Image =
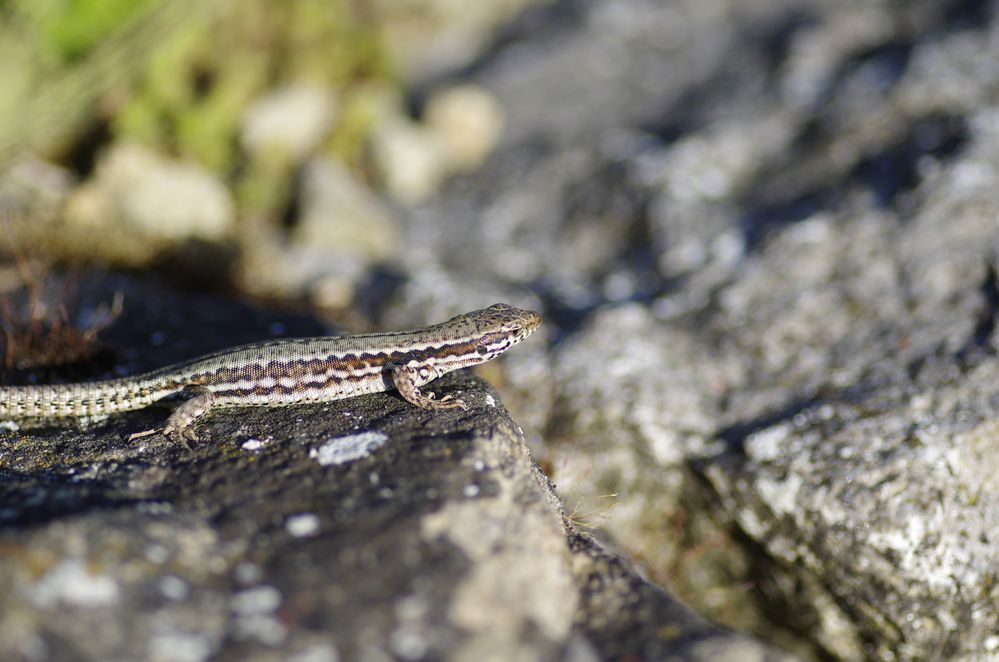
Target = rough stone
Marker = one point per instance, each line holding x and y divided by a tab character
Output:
163	199
341	216
411	160
431	37
468	123
796	198
293	121
358	528
795	201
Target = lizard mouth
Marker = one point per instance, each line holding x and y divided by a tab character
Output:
532	321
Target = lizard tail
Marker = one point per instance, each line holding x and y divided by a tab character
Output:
75	400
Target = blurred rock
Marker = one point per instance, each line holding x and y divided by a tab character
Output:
271	268
291	121
798	198
626	425
159	198
342	230
411	160
468	122
33	187
430	37
668	413
339	214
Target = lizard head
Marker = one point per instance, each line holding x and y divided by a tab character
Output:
482	335
504	319
499	327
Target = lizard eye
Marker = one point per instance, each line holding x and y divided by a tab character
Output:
482	350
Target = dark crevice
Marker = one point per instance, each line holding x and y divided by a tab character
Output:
80	156
767	45
968	14
784	196
880	67
292	210
979	346
562	318
608	194
777	38
761	219
780	602
894	171
736	434
682	118
789	619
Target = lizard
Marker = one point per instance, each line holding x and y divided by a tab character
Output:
289	371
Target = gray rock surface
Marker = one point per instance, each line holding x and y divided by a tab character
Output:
796	201
763	236
363	529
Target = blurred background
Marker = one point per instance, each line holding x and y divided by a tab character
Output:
762	234
261	144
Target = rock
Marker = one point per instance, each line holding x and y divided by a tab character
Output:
34	188
274	269
360	527
411	160
431	37
462	126
341	232
626	617
625	428
670	410
340	215
292	121
163	199
468	122
834	498
803	222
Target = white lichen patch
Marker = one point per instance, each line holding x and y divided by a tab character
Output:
974	456
303	525
256	600
782	496
341	450
72	583
768	444
253	444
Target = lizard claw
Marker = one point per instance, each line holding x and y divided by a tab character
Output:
453	403
145	433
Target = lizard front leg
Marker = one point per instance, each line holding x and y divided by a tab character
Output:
405	380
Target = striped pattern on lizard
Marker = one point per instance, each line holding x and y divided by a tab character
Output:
292	371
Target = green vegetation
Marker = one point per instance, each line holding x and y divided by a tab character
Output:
176	75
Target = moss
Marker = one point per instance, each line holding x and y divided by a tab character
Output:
359	111
264	186
206	130
69	29
196	84
176	76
